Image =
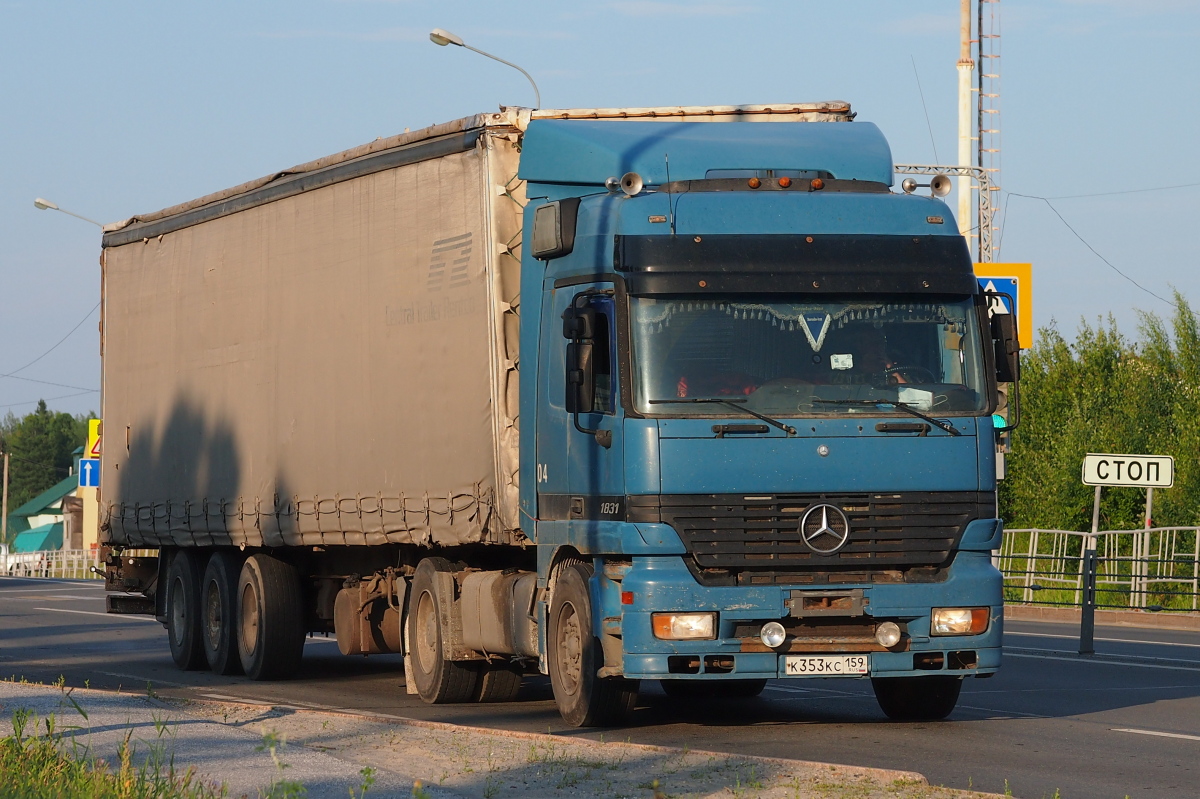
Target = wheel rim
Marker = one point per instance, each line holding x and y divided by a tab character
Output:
249	619
213	617
570	648
178	611
427	642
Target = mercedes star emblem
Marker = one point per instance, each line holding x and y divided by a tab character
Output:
825	528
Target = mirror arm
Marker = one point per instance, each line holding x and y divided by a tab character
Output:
603	437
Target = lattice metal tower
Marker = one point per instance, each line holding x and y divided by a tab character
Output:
988	96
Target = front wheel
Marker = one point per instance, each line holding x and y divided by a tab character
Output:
917	698
584	699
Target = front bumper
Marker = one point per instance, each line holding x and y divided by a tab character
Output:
663	583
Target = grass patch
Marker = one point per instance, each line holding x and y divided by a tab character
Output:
48	766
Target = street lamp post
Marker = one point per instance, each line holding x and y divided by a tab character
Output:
443	37
46	205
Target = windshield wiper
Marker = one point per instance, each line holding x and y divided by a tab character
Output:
732	403
902	406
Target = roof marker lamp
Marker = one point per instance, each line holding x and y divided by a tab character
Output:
684	626
43	204
959	621
442	38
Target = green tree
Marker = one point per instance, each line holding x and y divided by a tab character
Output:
1105	393
40	445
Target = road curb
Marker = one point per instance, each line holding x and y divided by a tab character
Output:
1189	622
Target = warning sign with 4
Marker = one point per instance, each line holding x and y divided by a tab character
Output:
1015	280
93	442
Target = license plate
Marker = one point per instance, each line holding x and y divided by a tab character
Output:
817	666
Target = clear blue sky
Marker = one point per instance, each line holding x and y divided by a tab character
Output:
126	106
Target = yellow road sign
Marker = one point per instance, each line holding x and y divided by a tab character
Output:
93	442
1015	280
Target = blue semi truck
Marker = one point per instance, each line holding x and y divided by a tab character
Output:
611	395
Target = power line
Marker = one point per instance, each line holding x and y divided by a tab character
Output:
60	341
49	383
1125	191
1089	246
928	124
48	399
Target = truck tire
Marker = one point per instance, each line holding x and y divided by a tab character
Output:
183	611
712	689
574	656
439	681
917	698
270	632
219	612
498	684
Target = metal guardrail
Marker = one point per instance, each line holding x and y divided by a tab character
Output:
1156	569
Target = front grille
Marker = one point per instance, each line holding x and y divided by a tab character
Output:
754	539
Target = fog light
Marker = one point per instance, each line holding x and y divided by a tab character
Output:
959	621
772	634
684	626
887	634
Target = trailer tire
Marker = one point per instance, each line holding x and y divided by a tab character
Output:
438	680
183	611
498	684
917	698
270	629
713	689
575	658
219	612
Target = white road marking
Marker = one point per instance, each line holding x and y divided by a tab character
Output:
33	589
1105	662
1111	640
123	616
1159	734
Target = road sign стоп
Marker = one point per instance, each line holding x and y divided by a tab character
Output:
1136	471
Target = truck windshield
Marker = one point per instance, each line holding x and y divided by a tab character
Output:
807	356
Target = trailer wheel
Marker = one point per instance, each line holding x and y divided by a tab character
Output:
183	611
713	689
498	684
574	656
439	681
270	616
917	698
219	616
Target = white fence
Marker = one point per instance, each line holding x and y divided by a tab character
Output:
69	564
1155	569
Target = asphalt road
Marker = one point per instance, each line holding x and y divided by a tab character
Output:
1126	723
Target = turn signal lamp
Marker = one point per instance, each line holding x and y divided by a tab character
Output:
684	626
959	621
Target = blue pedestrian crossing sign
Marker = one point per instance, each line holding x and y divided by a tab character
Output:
1015	281
89	472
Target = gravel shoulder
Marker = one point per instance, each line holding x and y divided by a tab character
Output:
230	743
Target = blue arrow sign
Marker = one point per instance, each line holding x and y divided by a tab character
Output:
89	472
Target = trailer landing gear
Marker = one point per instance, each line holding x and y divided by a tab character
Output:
584	699
271	619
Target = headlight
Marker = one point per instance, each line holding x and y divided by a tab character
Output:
684	626
959	621
772	634
887	634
